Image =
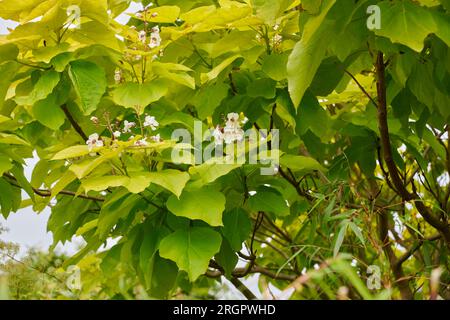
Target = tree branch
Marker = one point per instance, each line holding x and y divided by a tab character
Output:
362	88
48	193
243	289
73	122
389	160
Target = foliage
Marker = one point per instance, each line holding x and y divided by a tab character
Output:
363	124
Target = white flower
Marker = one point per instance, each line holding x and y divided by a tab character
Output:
138	57
141	143
94	120
231	135
228	135
149	5
117	134
154	14
118	76
218	136
127	126
94	141
151	122
232	131
155	38
276	27
142	36
233	120
139	15
277	39
156	138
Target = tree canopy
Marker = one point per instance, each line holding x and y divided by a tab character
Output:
351	103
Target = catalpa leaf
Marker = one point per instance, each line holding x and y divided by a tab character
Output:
191	249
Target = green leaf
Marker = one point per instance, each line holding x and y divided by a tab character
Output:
265	88
406	23
227	258
114	210
152	265
18	173
340	238
300	163
6	197
5	164
172	180
199	204
210	171
159	286
236	227
43	87
209	98
163	14
274	66
85	167
7	138
270	10
214	73
138	96
89	81
8	51
104	182
357	231
269	199
308	53
49	113
312	6
8	71
72	152
191	249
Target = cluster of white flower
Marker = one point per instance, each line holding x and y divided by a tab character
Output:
127	126
151	122
231	132
94	141
142	36
155	38
141	143
277	40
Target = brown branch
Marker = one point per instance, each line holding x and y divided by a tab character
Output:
243	289
48	193
416	247
73	122
240	272
397	270
295	184
362	88
389	160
